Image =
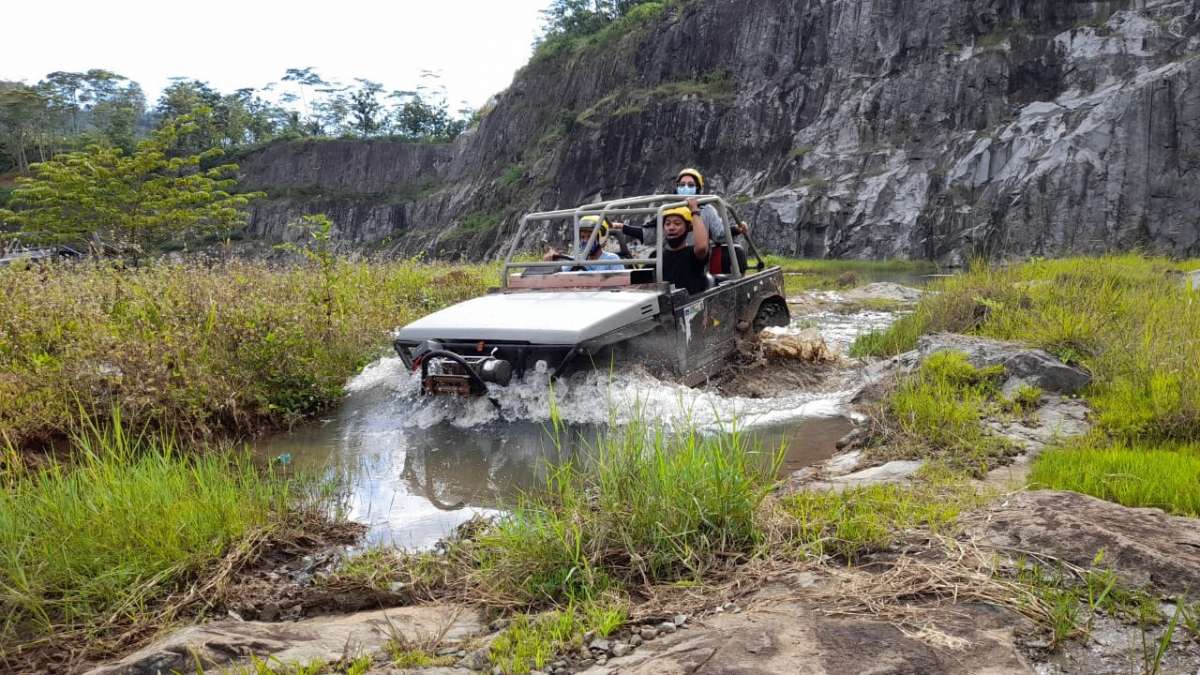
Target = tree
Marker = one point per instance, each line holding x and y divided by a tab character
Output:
365	107
130	203
23	113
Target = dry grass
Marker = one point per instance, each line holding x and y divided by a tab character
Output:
201	350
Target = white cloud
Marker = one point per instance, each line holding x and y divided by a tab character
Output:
476	45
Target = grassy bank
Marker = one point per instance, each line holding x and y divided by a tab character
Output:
810	274
1128	320
200	350
93	555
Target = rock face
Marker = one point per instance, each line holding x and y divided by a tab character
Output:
1145	547
936	129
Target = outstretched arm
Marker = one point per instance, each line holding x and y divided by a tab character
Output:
699	230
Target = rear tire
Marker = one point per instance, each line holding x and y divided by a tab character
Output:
772	312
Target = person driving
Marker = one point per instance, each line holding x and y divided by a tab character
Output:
684	263
587	225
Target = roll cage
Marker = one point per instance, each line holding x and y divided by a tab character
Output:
621	210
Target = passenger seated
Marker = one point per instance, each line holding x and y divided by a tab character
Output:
587	225
685	265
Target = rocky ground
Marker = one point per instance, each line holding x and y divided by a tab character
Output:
928	605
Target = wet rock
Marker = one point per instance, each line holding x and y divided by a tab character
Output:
222	644
620	649
1031	366
1145	547
475	660
666	628
635	640
680	620
895	471
648	633
600	645
884	290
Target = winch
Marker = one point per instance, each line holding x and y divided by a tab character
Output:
445	372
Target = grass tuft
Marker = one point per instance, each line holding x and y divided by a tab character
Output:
645	507
531	641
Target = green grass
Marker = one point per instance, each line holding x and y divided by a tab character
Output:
856	521
1163	476
1125	319
531	641
100	544
937	413
200	350
645	507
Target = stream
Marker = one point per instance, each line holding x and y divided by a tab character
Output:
413	468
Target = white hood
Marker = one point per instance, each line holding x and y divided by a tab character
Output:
559	317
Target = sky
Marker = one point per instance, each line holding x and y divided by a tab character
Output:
474	45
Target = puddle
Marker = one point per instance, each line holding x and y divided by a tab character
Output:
413	468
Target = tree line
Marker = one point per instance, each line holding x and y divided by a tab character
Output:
70	111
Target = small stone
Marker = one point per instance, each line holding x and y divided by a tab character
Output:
602	660
476	660
270	612
680	620
446	651
735	608
600	645
589	636
719	610
648	633
635	641
497	670
620	649
235	616
397	586
666	627
558	664
586	663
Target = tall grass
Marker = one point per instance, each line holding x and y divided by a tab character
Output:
1165	476
96	545
200	350
646	506
1126	319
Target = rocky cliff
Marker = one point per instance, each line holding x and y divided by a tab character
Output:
934	129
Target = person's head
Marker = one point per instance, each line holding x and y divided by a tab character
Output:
689	183
675	224
587	225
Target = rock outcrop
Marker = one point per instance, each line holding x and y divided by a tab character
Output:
933	129
1145	547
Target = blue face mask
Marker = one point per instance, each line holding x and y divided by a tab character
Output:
685	190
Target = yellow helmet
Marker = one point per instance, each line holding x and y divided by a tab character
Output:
694	174
681	211
590	223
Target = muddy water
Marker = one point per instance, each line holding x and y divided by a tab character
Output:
413	468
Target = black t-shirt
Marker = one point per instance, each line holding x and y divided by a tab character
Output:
683	269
